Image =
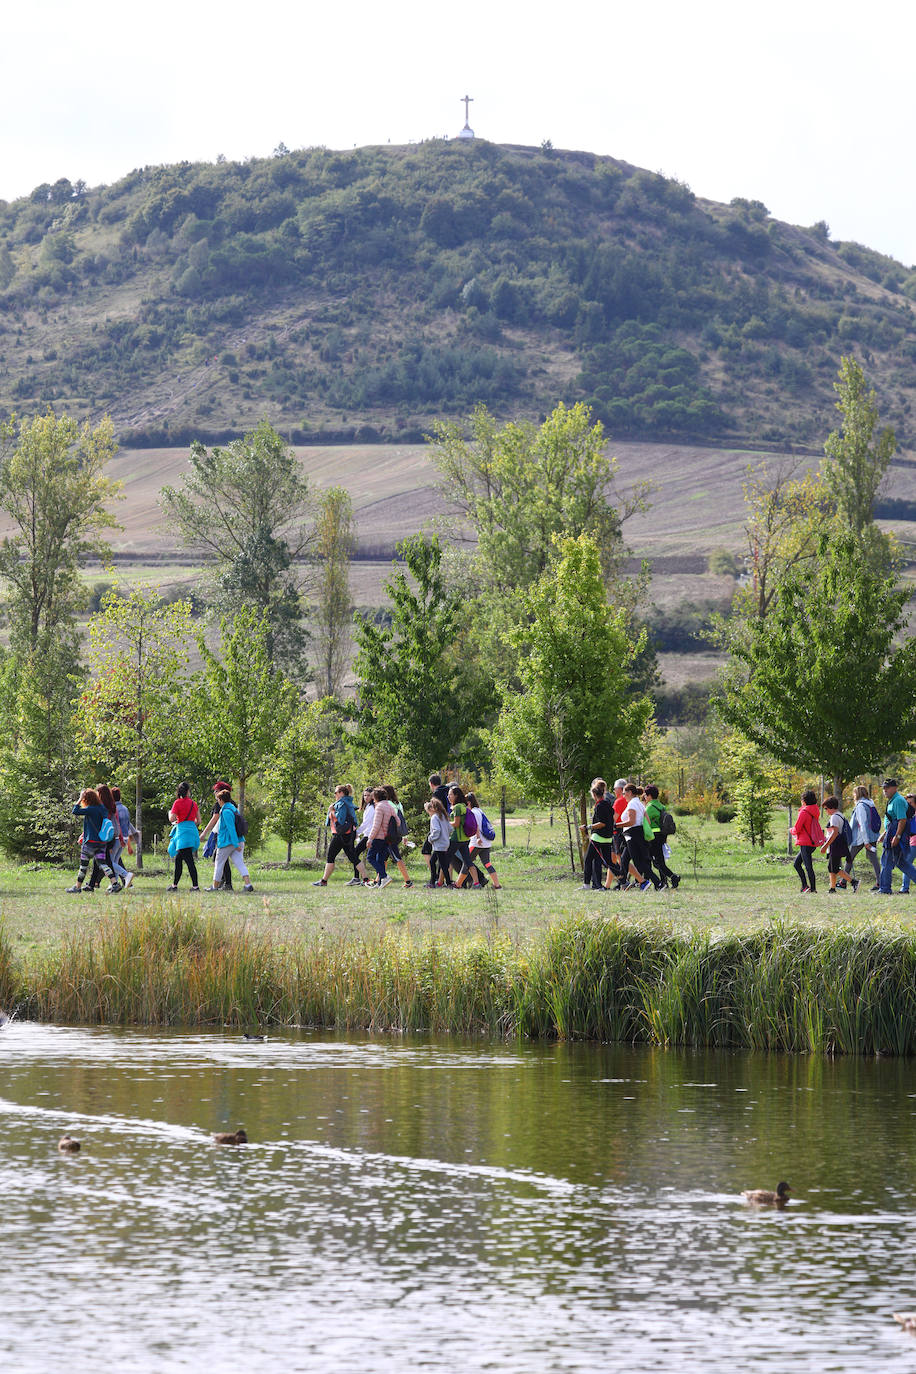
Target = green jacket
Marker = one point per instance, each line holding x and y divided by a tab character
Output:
654	815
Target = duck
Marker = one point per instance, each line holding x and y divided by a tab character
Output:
762	1197
231	1137
68	1145
907	1320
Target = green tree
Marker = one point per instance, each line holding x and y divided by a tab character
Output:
576	715
754	785
133	714
415	693
247	506
334	609
858	455
821	682
54	490
294	779
520	486
240	702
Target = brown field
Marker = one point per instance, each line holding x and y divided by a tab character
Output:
697	507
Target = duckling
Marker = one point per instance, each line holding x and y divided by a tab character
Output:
68	1145
762	1197
232	1137
907	1320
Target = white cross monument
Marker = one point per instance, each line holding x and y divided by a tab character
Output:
467	131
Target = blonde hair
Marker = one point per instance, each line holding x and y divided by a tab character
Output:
435	808
860	792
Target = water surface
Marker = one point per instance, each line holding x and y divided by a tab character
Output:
449	1206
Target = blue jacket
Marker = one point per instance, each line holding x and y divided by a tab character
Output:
227	835
186	836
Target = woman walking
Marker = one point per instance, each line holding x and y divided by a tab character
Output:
228	843
184	815
865	824
464	831
384	829
114	846
97	832
341	819
599	839
440	838
479	846
633	824
394	849
808	835
362	840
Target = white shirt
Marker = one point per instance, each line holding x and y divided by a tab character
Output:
635	808
365	824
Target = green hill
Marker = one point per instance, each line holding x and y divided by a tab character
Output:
358	295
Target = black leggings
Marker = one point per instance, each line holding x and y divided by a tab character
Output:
342	842
185	856
657	850
803	862
597	859
638	851
439	866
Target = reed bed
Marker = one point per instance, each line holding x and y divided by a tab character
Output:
786	988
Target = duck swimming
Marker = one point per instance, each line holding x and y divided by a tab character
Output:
231	1137
68	1145
907	1320
762	1197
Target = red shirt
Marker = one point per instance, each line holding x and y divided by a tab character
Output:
807	828
185	809
620	805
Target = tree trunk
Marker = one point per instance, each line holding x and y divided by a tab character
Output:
242	781
138	817
502	815
583	817
572	853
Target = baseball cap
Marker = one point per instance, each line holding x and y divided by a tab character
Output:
889	782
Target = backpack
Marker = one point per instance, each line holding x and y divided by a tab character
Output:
106	830
403	832
393	833
846	832
874	820
470	824
241	825
486	830
666	824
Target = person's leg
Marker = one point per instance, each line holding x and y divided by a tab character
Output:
219	864
483	856
179	864
799	869
116	851
334	849
887	868
192	867
658	858
237	856
464	863
905	864
378	857
807	860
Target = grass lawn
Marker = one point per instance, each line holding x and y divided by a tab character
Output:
725	886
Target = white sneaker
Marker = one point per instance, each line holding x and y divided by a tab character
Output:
355	882
385	881
128	880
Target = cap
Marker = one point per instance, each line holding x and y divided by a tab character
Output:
621	782
218	786
889	782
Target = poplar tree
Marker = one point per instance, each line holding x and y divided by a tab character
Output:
334	608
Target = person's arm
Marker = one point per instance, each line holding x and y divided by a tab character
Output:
832	832
209	826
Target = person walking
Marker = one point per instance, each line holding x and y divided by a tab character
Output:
896	844
911	832
341	819
865	824
113	847
361	844
632	822
619	847
439	790
655	813
439	840
808	835
836	843
479	846
384	831
229	844
464	830
210	850
598	837
184	814
97	833
394	849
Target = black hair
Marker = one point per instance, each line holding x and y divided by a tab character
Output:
809	797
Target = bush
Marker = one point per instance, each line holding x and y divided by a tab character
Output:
724	814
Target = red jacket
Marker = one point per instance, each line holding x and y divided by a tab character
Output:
807	827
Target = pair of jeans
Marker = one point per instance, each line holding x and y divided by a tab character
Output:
439	866
896	856
804	866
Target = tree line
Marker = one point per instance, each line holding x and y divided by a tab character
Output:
512	647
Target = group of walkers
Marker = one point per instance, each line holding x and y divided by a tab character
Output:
108	832
844	839
627	839
459	839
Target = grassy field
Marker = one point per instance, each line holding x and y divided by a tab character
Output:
725	888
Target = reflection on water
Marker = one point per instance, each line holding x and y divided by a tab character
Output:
449	1205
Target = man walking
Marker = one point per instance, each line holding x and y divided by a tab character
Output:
896	850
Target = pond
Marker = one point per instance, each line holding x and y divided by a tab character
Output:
449	1205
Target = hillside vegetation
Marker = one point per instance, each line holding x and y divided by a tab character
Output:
358	295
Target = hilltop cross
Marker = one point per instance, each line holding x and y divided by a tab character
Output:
467	99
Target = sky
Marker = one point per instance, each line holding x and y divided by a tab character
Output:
805	106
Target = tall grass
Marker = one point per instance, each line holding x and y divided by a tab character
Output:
788	988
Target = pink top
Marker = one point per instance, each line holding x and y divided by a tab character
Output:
384	810
807	827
